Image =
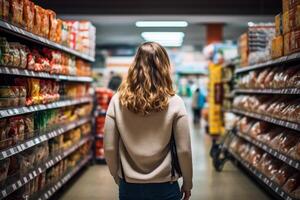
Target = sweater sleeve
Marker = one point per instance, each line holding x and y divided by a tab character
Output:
183	144
111	142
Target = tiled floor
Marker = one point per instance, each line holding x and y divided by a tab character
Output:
231	184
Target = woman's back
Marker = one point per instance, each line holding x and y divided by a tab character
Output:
144	144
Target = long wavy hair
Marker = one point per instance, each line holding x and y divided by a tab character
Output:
148	86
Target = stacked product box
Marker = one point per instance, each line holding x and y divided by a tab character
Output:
287	40
255	45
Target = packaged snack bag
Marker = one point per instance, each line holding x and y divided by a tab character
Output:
45	23
5	9
59	31
37	20
28	15
16	12
53	25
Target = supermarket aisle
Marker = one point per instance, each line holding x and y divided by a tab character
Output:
96	183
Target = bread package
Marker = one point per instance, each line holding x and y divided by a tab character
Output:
254	156
273	168
28	15
283	174
259	128
16	12
292	183
294	152
37	20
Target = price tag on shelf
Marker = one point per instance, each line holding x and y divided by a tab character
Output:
3	192
19	183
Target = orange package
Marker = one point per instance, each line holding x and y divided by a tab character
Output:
45	23
52	25
37	20
16	12
58	31
28	15
5	4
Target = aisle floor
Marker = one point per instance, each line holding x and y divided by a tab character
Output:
231	184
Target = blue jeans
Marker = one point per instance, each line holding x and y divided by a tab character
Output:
149	191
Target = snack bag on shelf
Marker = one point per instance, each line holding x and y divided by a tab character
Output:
28	15
53	25
65	34
58	35
16	12
45	23
5	8
23	54
37	20
33	96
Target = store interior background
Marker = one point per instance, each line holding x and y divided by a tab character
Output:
117	39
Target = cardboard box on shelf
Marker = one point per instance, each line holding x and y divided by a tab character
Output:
295	41
278	24
286	44
285	5
277	47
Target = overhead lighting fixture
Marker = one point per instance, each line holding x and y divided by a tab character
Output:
161	24
167	39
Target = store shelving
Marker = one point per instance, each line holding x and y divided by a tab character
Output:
27	73
23	34
29	109
41	138
279	122
277	62
262	178
10	188
268	91
54	188
292	162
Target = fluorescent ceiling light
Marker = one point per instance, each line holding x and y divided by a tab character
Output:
161	24
164	38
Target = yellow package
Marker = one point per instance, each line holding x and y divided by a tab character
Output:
278	24
286	22
277	47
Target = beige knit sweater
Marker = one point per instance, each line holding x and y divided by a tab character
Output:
141	143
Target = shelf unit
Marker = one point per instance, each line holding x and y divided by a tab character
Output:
295	91
29	109
41	138
286	159
10	188
11	185
47	194
27	73
23	34
261	178
277	62
279	122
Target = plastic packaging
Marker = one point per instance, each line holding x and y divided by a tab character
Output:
283	174
16	12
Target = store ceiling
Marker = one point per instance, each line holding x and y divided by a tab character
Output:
115	19
133	7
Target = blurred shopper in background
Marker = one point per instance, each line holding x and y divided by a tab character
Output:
198	102
145	124
115	81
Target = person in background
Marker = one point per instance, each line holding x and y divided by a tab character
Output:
144	121
115	81
198	102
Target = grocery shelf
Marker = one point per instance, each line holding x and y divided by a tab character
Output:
279	122
268	91
54	188
275	188
24	72
292	162
280	61
19	32
29	109
41	138
10	188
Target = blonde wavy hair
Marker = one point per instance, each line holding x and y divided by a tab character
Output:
148	86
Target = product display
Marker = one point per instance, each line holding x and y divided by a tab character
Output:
103	97
77	35
45	99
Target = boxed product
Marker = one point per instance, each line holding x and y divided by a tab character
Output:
278	24
295	41
277	47
287	44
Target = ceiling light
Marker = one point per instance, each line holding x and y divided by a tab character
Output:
161	24
164	38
